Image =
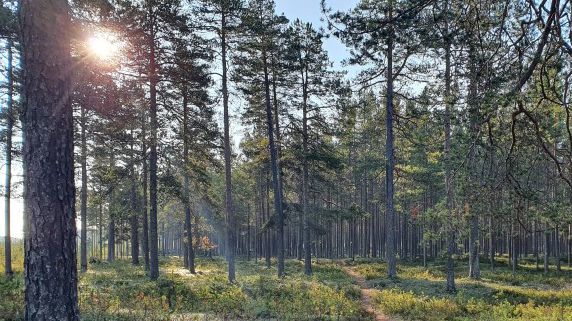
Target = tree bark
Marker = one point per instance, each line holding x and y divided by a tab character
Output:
111	227
101	231
190	262
153	237
83	196
390	160
230	220
449	185
134	219
546	248
8	182
144	210
50	269
275	171
305	175
472	101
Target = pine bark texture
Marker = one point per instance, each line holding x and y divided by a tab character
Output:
50	269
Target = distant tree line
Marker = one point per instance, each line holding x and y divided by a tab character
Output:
452	141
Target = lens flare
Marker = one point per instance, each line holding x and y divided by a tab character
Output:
104	46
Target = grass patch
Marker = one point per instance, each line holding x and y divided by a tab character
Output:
419	293
120	291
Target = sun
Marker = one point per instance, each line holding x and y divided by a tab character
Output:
104	46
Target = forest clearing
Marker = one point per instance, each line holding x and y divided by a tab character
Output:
120	291
381	160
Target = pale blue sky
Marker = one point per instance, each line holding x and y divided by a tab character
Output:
310	11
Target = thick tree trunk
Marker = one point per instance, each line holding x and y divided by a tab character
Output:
230	220
275	172
390	160
50	269
8	182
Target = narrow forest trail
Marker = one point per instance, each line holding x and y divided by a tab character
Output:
367	296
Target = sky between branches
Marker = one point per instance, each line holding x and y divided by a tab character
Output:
305	10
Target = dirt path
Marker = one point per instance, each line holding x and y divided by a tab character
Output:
367	296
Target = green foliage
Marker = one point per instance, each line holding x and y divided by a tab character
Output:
12	294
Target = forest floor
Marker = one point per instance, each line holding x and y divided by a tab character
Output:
419	293
367	296
338	290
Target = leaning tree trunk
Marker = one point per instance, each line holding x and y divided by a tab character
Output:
50	269
8	183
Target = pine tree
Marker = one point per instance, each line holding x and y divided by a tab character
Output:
383	34
222	17
314	79
50	260
261	30
8	31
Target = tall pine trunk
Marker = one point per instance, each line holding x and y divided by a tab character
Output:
50	269
390	160
473	104
230	220
449	185
190	257
8	182
275	172
153	236
111	227
305	176
83	196
134	219
144	210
